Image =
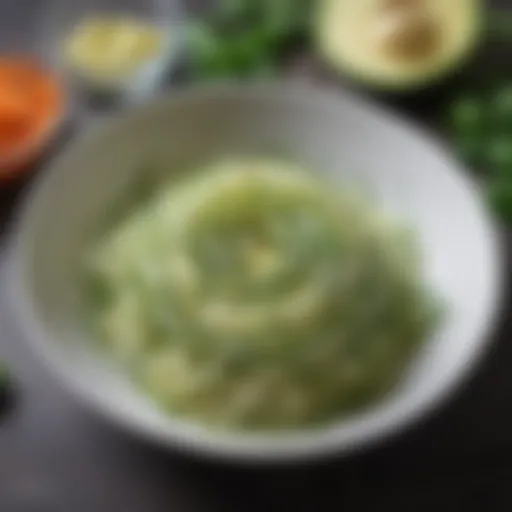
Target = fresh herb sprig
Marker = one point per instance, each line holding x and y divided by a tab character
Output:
246	38
480	124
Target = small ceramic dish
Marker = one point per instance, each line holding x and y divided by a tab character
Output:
61	18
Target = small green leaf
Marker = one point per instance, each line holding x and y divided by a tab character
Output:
208	53
500	198
279	15
202	40
499	155
501	106
467	115
248	51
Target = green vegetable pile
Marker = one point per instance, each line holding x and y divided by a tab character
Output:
246	38
226	299
480	125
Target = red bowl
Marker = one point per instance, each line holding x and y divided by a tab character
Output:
18	158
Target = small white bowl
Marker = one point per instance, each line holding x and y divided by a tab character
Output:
61	17
333	132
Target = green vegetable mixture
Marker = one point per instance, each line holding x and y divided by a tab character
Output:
253	296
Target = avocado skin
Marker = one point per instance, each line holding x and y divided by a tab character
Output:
432	84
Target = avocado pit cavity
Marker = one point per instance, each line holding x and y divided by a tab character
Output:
408	33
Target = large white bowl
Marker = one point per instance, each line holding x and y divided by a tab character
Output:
331	132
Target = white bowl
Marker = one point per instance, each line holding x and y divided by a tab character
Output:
61	17
333	132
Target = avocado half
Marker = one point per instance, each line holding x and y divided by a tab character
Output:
397	44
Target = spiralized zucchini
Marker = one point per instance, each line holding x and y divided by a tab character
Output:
254	296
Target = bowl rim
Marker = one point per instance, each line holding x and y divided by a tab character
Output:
319	443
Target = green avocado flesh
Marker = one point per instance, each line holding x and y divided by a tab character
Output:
397	44
252	295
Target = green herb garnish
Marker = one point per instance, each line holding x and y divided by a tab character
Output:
244	38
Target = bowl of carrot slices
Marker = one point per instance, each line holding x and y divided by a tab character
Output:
31	111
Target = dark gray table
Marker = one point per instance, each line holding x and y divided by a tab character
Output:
55	456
